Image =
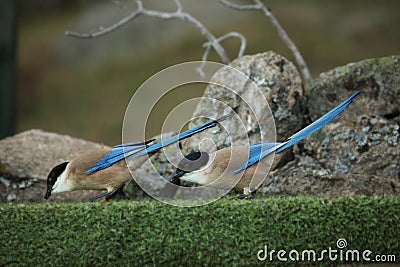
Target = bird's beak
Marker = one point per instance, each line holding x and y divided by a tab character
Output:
175	177
48	194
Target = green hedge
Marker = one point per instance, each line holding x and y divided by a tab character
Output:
228	232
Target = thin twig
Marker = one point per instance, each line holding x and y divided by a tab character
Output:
178	6
243	41
203	61
289	43
104	31
281	32
178	14
239	7
208	45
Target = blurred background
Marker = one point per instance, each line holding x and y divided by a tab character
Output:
81	87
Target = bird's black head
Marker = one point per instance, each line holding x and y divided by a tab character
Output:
53	176
192	162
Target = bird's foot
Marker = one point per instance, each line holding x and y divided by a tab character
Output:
247	193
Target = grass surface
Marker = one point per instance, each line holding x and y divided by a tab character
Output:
228	232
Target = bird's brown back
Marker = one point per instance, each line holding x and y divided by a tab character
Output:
226	160
110	178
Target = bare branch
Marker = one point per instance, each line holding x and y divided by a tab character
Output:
139	4
208	45
106	30
178	14
178	6
239	7
243	41
281	32
203	61
289	43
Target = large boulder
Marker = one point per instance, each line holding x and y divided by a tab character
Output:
305	176
27	158
266	96
378	79
32	154
358	153
343	159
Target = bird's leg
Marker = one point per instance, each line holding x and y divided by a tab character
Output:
106	195
101	196
241	196
247	193
175	181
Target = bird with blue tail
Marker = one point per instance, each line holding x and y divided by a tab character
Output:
237	167
105	169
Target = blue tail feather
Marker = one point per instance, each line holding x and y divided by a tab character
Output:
260	150
318	124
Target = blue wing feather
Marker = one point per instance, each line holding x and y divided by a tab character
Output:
118	150
136	150
256	153
260	150
116	154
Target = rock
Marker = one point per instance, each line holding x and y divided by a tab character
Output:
343	159
35	193
279	86
378	79
298	178
358	153
32	154
6	183
368	145
11	197
154	173
27	158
